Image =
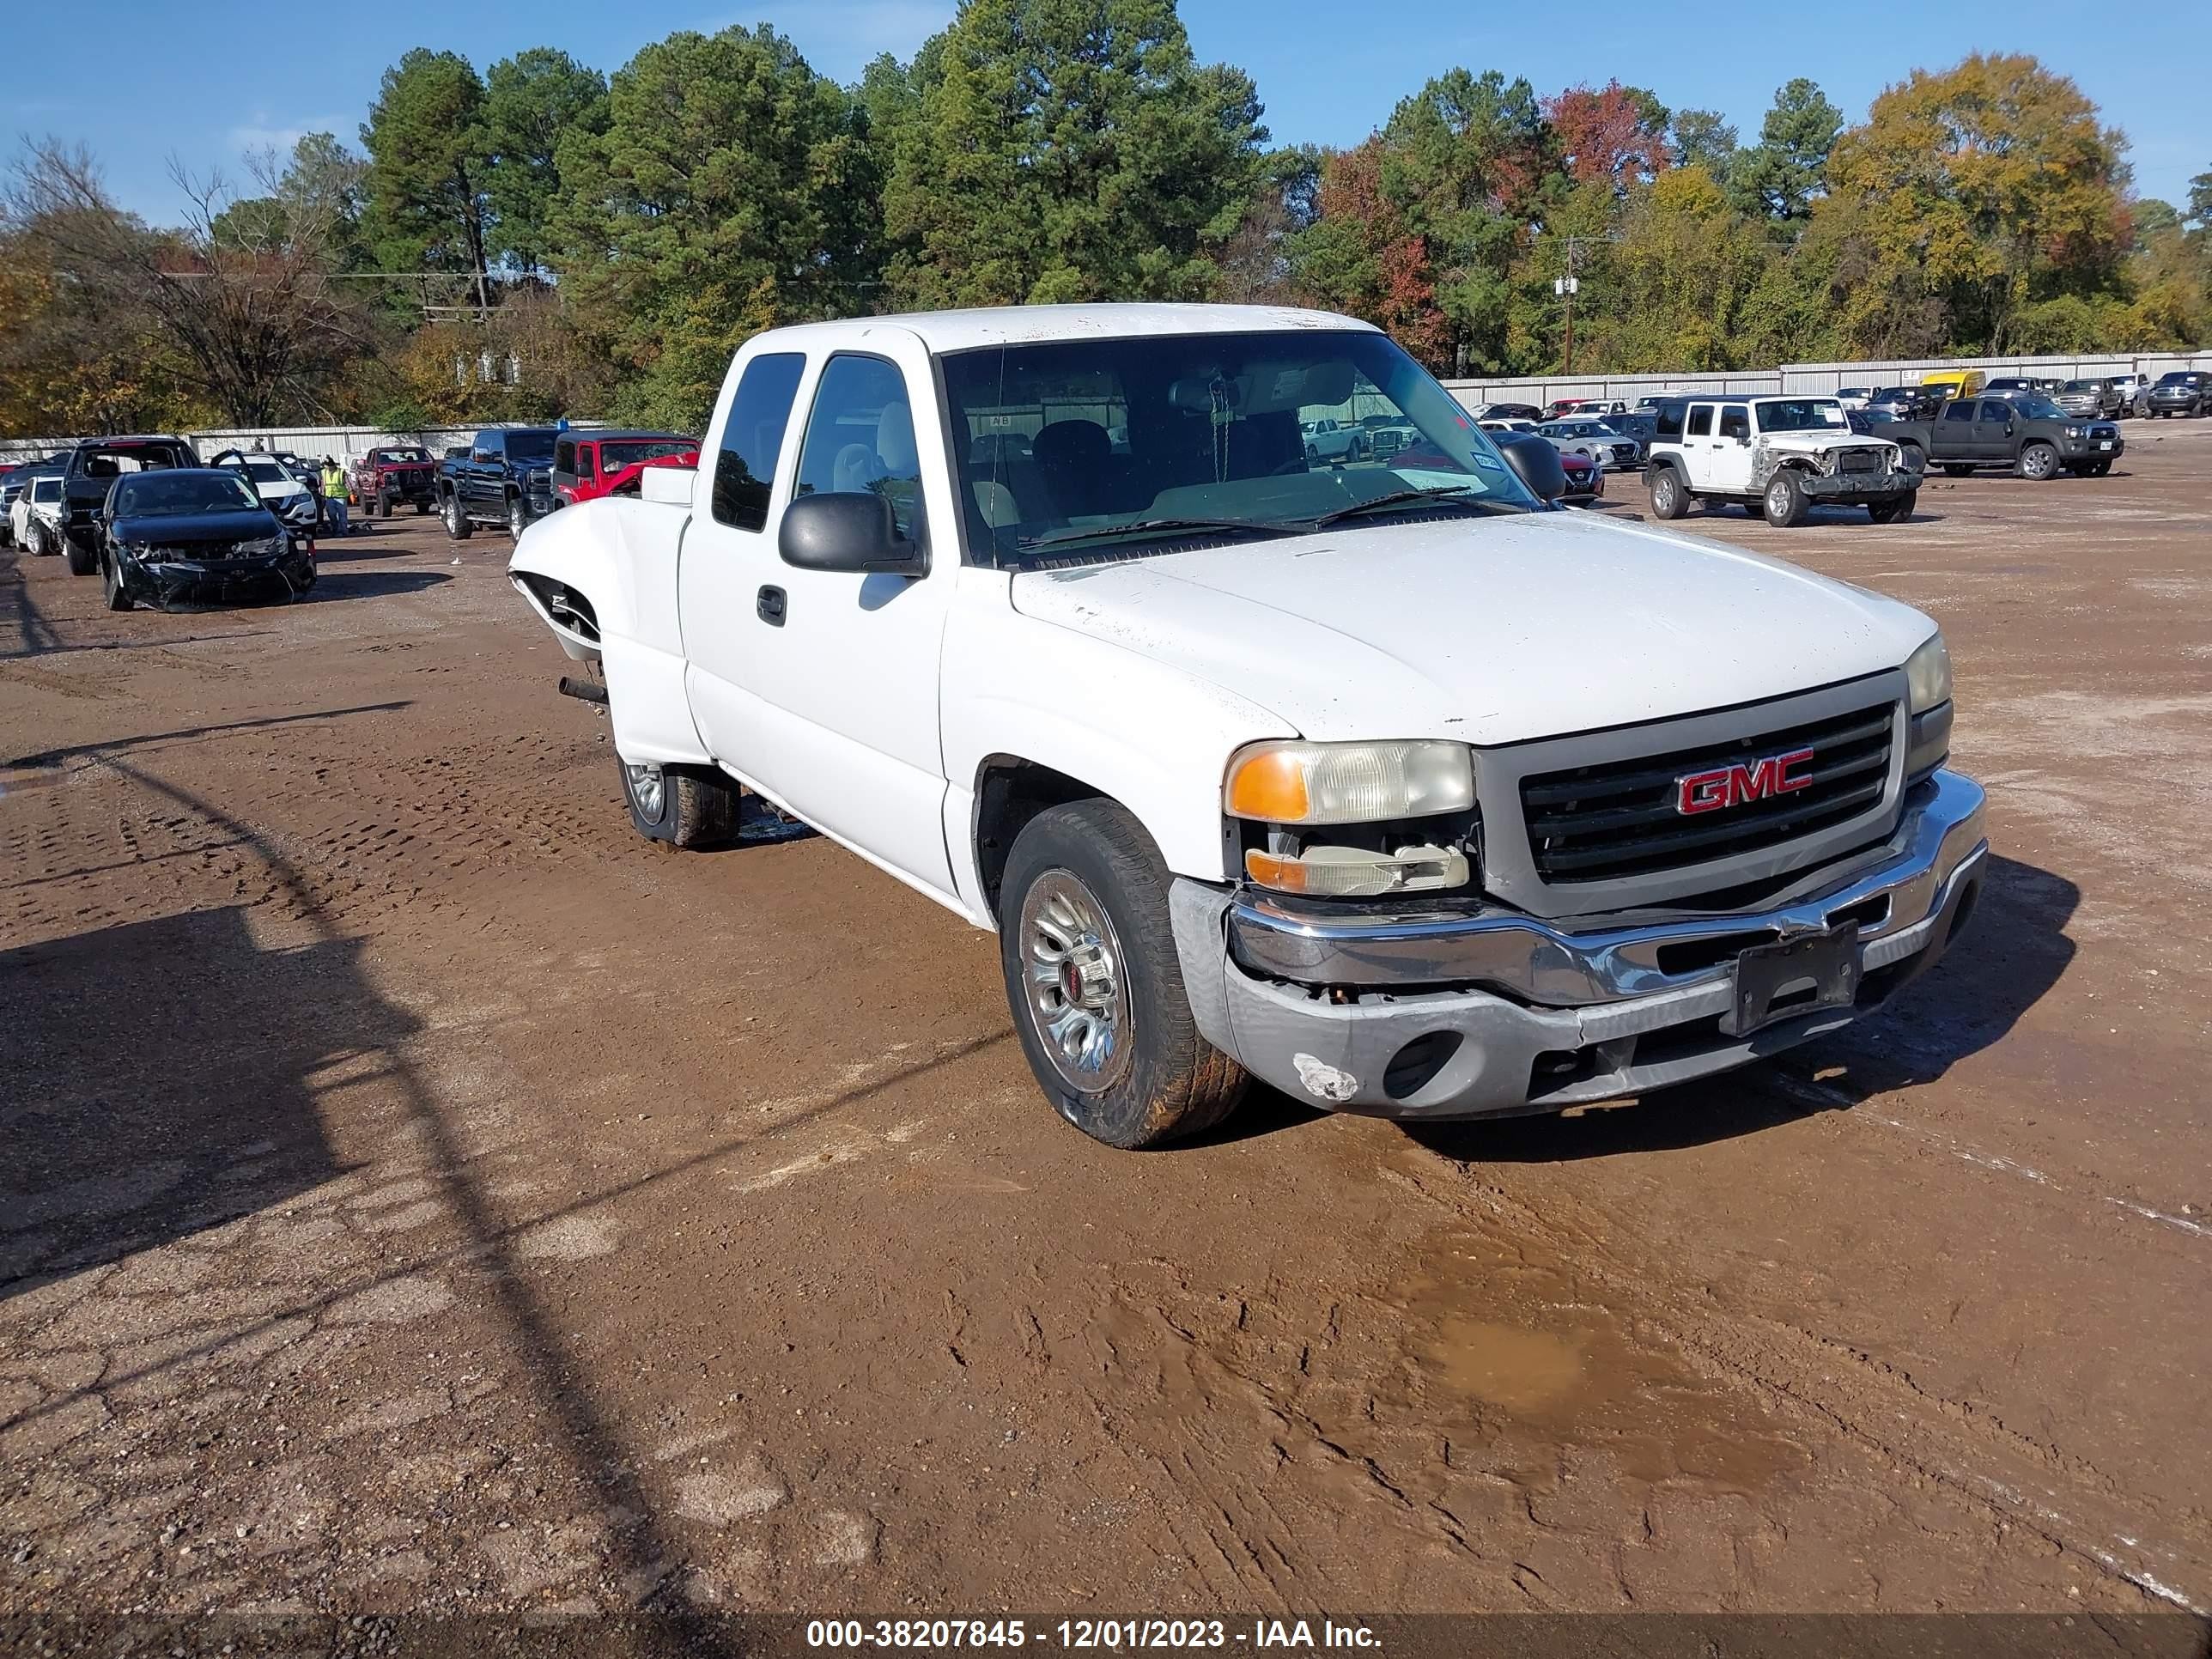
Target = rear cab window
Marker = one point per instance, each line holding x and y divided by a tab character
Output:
1700	423
752	440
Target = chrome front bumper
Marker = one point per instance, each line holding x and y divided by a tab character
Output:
1464	1012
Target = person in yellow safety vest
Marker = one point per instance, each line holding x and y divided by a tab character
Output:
334	494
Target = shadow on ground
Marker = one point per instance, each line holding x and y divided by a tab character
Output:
162	1078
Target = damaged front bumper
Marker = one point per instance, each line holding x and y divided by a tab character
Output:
1858	489
169	581
1472	1012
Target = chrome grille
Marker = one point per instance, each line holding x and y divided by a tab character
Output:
1620	818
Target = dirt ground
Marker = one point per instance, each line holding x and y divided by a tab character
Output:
419	1192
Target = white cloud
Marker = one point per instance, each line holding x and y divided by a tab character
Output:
262	134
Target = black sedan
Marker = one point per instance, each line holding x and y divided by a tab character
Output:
195	533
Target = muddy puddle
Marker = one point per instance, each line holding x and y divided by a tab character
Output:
1499	1355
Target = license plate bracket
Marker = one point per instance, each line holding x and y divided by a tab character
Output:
1779	981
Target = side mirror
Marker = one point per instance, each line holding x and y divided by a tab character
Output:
850	531
1535	463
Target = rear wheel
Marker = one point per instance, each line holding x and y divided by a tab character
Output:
2038	461
679	806
1669	499
1095	986
1785	501
457	522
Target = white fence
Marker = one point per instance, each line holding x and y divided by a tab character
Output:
1819	379
346	442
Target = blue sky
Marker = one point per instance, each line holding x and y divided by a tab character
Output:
209	82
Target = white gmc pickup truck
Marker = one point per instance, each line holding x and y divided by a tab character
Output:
1384	781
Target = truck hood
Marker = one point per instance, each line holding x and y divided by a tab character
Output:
1486	630
1814	443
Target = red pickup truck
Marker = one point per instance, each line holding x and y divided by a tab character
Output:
589	464
393	473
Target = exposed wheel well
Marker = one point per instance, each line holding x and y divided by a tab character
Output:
1009	792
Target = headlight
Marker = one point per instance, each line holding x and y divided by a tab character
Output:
2073	431
1928	675
1303	783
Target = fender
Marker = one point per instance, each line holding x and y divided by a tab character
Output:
602	576
1163	755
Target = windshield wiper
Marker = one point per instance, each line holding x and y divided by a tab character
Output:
1394	498
1150	526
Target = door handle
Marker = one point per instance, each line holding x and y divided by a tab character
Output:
769	606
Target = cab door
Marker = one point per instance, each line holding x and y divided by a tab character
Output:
1732	449
822	686
1993	430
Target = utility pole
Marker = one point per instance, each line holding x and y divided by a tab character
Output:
1565	287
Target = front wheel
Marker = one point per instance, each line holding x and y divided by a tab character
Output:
1669	499
2039	462
1095	986
457	522
384	507
1891	512
2100	469
111	584
518	517
1785	501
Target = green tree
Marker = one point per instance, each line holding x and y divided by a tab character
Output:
530	101
1068	149
1782	173
429	167
732	189
1990	187
2200	201
2148	217
1702	138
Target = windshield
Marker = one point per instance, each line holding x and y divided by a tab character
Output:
529	446
1801	415
401	457
265	472
1077	449
183	492
2081	385
2039	408
613	457
2178	377
45	489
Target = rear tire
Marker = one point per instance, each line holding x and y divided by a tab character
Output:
1784	501
1095	985
677	806
1669	499
457	522
82	561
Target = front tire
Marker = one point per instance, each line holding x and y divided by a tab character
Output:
518	517
678	807
2039	462
2100	469
1785	501
1095	985
457	522
1891	512
111	584
384	507
1669	499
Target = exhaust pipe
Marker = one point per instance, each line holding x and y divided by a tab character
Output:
583	690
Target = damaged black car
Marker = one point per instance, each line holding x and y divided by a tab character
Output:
196	533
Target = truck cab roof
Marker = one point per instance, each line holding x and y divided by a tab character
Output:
966	330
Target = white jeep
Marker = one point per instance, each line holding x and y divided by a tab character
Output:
1783	453
1391	784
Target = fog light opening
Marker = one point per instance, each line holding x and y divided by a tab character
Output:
1414	1066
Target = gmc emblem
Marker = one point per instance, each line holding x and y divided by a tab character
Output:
1733	786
